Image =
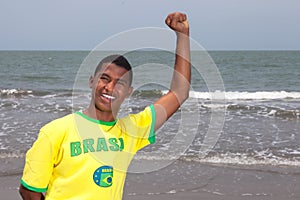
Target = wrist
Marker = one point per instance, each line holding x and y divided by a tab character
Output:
184	33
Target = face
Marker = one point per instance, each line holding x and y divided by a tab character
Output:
110	87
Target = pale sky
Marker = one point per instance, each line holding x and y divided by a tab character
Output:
82	24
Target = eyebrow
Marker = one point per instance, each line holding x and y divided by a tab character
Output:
118	80
123	81
104	74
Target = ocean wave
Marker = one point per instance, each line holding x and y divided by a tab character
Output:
15	92
235	102
241	160
8	92
237	159
249	160
259	95
286	113
217	95
147	93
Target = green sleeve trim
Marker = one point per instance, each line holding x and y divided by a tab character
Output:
34	189
151	137
97	121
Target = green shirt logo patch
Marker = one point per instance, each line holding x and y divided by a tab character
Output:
103	176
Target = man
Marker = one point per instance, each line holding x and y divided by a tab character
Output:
85	155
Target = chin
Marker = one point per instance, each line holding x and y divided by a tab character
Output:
103	108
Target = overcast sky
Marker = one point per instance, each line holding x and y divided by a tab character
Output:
82	24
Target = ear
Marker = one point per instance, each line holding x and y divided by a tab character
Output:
91	81
130	90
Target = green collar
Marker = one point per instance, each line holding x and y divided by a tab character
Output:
97	121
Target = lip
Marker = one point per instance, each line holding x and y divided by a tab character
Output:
107	98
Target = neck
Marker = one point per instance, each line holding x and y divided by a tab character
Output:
97	114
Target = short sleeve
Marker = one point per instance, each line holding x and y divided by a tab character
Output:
38	165
140	127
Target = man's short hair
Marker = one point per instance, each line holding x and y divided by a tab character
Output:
118	60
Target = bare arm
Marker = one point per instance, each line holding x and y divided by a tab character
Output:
168	104
30	195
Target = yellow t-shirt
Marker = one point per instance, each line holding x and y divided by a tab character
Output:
77	157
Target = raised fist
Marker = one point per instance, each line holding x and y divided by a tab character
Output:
178	22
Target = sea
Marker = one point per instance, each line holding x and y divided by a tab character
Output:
244	111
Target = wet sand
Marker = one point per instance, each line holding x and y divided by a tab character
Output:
194	181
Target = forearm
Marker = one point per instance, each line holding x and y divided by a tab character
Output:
30	195
180	84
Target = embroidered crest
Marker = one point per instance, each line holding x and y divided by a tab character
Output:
103	176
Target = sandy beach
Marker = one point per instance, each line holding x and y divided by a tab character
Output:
194	181
9	186
190	180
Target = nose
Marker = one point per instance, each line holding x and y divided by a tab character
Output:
110	86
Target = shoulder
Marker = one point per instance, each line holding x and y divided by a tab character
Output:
142	118
58	126
59	122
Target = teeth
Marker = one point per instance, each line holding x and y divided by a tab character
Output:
108	96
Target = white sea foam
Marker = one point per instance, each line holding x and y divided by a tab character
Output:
12	155
243	159
230	159
236	95
14	91
263	95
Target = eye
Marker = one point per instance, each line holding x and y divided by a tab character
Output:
104	78
122	83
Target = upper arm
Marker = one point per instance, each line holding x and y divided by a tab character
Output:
38	164
165	107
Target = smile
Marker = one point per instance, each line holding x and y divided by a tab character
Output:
108	97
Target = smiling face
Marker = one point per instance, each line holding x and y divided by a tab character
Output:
110	86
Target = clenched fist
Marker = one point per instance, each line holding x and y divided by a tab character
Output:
178	22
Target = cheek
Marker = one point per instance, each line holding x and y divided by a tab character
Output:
98	86
122	92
